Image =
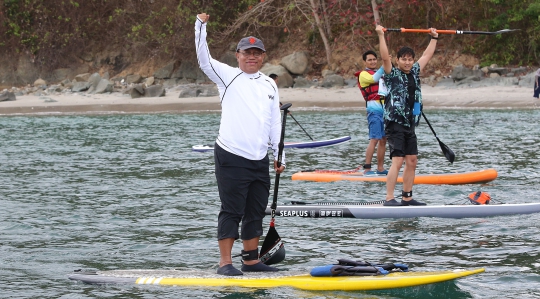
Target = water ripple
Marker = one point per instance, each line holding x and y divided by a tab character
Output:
126	191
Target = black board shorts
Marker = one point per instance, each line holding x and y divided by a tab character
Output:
401	140
244	187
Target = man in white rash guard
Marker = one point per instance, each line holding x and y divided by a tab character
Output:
250	120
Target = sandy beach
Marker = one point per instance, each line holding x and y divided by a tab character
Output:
494	97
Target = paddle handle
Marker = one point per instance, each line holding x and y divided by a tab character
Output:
405	30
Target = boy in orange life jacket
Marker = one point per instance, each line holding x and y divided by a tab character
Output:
368	82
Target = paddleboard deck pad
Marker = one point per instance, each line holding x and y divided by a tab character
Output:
375	210
472	177
306	144
270	280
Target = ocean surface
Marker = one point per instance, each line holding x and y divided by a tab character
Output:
111	192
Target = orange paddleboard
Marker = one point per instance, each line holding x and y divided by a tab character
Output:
472	177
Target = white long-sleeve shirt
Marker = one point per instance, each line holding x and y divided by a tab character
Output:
250	115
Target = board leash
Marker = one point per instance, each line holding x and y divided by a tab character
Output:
339	203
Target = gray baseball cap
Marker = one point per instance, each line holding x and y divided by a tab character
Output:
250	42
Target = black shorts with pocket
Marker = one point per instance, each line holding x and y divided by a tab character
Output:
401	140
244	187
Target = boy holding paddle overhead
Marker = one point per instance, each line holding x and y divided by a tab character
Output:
250	119
402	112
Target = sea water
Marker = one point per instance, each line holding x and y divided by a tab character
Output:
111	192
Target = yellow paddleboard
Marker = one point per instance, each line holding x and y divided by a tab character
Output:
265	280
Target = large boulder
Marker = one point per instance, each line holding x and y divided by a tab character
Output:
519	71
509	81
137	91
187	70
82	77
527	80
103	86
297	63
168	83
80	86
284	78
194	91
301	82
166	71
40	82
499	70
7	96
55	88
154	91
461	72
136	78
467	80
94	80
333	81
149	81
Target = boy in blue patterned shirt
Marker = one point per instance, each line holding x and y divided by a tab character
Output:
402	112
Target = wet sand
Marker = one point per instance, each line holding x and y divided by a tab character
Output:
495	97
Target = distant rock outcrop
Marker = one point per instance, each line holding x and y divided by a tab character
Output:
154	91
7	96
196	90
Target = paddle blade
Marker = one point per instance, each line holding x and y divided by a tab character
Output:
273	249
448	153
506	30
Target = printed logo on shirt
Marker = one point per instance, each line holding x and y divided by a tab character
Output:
271	97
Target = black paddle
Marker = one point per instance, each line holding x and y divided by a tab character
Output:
448	153
405	30
299	124
272	249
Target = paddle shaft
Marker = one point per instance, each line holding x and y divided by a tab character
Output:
430	127
405	30
448	153
280	156
299	125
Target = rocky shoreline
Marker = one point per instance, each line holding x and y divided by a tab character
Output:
186	88
315	98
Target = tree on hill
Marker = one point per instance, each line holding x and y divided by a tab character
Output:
54	33
351	23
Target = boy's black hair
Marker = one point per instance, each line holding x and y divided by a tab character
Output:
405	51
